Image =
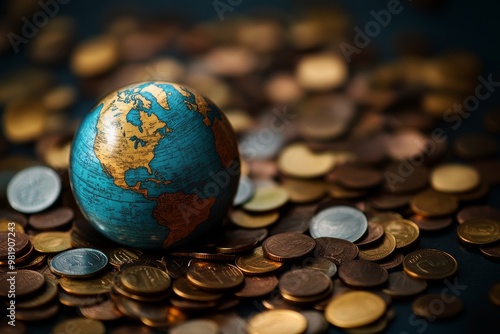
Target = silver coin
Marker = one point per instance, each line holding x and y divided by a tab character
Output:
316	322
342	222
246	189
33	189
80	262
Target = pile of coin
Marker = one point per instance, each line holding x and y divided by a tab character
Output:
344	171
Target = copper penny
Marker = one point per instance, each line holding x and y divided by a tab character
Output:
424	306
356	177
287	246
362	274
492	251
403	179
431	224
37	314
478	211
373	234
433	204
388	201
240	240
25	282
431	264
391	262
14	216
401	285
51	220
336	250
302	283
257	286
18	240
103	311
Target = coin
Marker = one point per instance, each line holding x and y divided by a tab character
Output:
95	56
84	326
297	160
37	314
336	250
24	120
454	178
495	294
379	251
294	220
402	285
303	191
240	240
356	177
247	220
339	192
246	190
388	201
354	309
404	231
196	326
492	251
184	289
431	224
267	198
255	263
257	286
362	274
145	280
33	189
277	322
433	204
51	219
342	222
321	264
119	288
478	211
119	256
20	240
431	264
176	267
287	246
214	275
479	231
47	294
393	261
449	306
8	225
410	183
80	262
303	283
26	282
51	242
314	299
104	311
316	322
374	233
88	286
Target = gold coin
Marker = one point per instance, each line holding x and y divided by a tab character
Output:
277	322
7	225
321	71
24	120
214	275
81	325
247	220
454	178
376	327
354	309
303	191
479	231
428	263
184	289
119	256
495	294
256	263
95	56
145	279
380	251
430	203
51	242
404	231
204	326
88	286
297	160
267	198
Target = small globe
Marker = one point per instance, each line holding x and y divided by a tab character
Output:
154	165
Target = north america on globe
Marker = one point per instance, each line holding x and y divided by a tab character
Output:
154	164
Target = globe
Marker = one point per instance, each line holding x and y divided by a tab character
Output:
154	165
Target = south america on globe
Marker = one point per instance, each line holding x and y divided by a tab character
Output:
154	165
